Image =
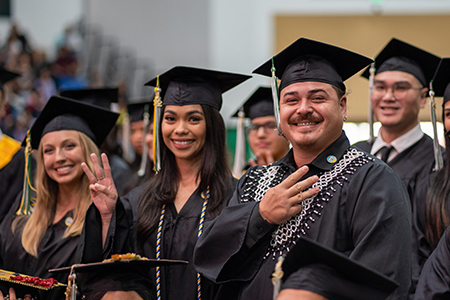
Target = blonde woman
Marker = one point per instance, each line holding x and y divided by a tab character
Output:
64	135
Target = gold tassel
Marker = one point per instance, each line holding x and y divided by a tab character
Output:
27	203
157	104
240	155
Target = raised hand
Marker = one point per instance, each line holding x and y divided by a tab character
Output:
283	201
262	159
102	188
12	295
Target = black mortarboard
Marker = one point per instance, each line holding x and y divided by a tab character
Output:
259	104
307	252
308	60
122	275
401	56
136	110
441	80
66	114
102	97
6	76
188	85
23	287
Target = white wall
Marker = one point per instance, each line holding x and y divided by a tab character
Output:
168	33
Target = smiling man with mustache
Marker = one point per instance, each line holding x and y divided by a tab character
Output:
323	189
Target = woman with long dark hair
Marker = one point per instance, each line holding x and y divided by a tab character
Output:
64	135
432	204
164	218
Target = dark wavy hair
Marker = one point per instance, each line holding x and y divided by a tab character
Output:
437	205
163	187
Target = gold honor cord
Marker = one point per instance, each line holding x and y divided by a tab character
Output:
439	161
275	96
141	171
371	85
27	203
157	104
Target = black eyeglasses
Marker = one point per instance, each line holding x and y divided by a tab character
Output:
399	90
268	127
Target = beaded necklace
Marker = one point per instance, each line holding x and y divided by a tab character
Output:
205	196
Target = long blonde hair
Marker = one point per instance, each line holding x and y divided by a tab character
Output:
45	208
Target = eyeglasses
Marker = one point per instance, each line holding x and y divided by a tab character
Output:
269	127
399	90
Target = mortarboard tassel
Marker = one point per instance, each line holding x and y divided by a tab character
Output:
141	171
240	155
27	202
157	104
439	161
276	108
371	84
126	145
277	275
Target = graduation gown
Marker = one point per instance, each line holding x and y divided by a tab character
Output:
413	165
362	211
54	251
434	282
179	236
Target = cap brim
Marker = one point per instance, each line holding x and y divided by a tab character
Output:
347	63
99	120
308	252
441	78
225	80
428	62
21	288
119	265
261	93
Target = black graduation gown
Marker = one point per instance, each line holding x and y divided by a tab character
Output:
362	211
434	282
11	181
54	252
412	165
179	236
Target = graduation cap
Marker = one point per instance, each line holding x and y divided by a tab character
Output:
400	56
66	114
136	110
309	60
259	104
307	251
6	76
441	80
102	97
121	275
187	85
25	284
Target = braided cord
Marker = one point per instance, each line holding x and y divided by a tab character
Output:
205	196
158	252
200	231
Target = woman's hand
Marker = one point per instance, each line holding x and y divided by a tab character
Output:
283	201
102	188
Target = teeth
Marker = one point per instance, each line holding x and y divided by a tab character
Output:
183	142
63	169
306	124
